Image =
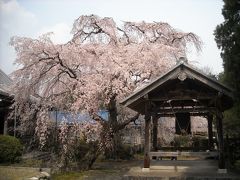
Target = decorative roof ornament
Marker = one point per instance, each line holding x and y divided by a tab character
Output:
182	76
182	60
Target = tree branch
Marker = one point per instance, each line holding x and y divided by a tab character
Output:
98	118
125	123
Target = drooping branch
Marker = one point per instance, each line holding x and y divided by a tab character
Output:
125	123
125	35
187	37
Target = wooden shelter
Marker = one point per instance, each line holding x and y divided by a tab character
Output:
183	91
6	101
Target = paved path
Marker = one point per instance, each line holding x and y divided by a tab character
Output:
163	169
197	169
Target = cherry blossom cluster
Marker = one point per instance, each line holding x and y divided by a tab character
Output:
103	62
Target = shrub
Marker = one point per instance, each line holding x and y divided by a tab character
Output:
10	149
80	149
79	156
124	152
182	141
232	149
237	165
200	143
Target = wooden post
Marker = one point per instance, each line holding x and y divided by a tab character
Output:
210	131
229	152
155	132
147	144
221	162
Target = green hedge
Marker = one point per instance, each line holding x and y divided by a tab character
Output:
10	149
123	152
200	143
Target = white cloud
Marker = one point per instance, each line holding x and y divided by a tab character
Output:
26	18
61	32
15	20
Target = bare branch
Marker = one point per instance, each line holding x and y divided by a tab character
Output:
97	118
125	123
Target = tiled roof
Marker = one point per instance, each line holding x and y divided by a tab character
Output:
5	81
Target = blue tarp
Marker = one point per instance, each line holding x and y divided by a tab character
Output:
59	116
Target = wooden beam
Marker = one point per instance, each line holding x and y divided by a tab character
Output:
210	131
155	132
146	97
182	103
203	114
190	109
183	98
221	161
209	82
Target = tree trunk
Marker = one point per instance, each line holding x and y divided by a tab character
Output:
116	139
116	126
92	159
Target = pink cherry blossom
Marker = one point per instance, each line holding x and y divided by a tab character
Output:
102	63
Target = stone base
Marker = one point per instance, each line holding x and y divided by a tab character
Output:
222	171
145	169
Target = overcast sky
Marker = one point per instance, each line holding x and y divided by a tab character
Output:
31	18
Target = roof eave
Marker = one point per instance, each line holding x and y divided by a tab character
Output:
172	72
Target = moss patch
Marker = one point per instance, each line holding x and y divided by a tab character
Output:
92	174
16	173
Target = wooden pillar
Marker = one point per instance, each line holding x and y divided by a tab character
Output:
221	162
155	132
147	133
210	131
